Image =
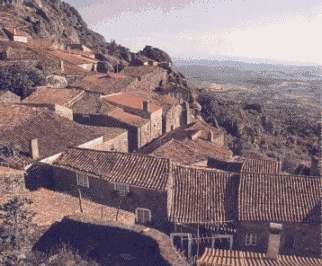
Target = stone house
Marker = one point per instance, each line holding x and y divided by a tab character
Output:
81	47
17	35
176	116
58	100
202	208
131	182
6	96
29	134
142	118
291	201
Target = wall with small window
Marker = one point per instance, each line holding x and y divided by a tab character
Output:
118	195
296	239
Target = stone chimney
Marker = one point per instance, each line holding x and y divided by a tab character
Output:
211	136
34	149
14	31
146	106
274	240
187	113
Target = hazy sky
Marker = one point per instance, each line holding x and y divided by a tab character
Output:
288	30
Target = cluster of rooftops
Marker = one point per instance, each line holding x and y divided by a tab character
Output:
205	196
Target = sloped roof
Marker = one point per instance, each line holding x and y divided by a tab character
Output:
220	257
64	97
128	100
279	198
127	118
115	167
188	152
91	103
202	196
261	166
54	133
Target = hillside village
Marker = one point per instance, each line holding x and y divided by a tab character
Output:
122	151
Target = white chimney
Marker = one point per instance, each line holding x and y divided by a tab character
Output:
62	67
34	149
274	240
211	136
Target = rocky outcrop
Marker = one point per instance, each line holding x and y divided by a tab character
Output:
155	54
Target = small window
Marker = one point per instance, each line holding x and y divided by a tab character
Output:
82	180
250	239
122	189
143	216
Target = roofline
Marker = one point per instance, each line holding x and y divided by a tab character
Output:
284	175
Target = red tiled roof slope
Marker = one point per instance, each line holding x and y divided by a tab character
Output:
115	167
129	100
65	97
261	166
221	257
201	196
279	198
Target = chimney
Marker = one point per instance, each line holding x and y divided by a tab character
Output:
315	166
274	240
14	31
146	107
62	67
34	149
211	136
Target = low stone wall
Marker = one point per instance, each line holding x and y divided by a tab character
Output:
111	243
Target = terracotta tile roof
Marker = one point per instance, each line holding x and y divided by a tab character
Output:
72	58
261	166
103	84
188	152
54	132
279	198
91	103
128	100
127	118
221	257
202	196
115	167
64	97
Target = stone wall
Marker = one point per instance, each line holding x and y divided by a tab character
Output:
119	143
102	192
104	120
296	239
173	118
9	97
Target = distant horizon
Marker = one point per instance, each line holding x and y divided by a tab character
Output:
282	31
248	60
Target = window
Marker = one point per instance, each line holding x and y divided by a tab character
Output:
143	216
250	239
82	180
122	189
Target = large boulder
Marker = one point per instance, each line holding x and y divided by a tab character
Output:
56	81
156	54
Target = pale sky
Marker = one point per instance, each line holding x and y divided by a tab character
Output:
283	30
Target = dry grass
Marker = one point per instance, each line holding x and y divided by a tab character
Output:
51	206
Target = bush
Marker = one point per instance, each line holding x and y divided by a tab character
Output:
20	79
